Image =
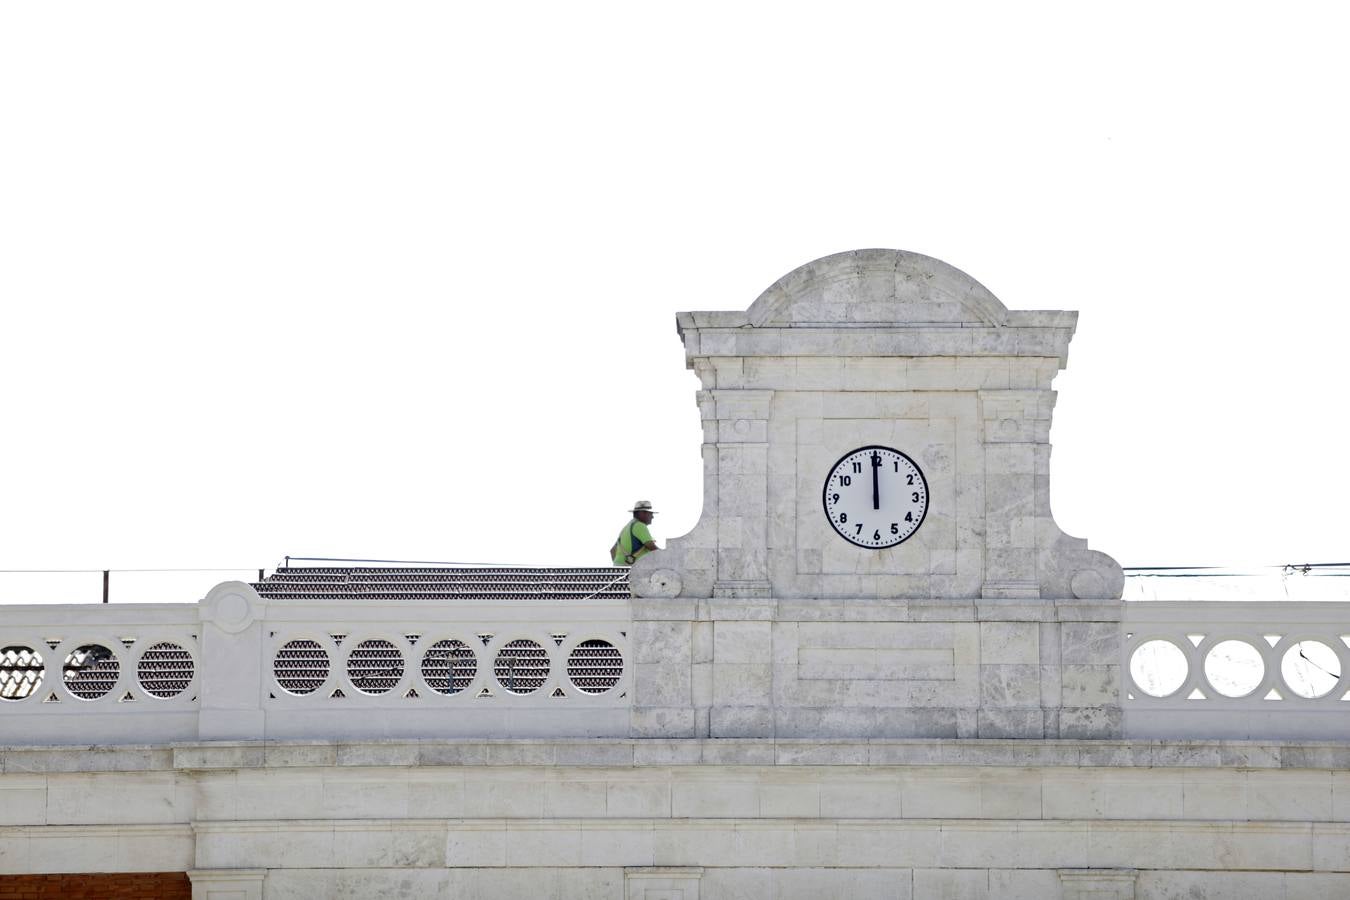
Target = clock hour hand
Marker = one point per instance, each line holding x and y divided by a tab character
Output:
876	492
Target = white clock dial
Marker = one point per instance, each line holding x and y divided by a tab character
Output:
875	497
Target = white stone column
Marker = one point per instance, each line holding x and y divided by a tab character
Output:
227	884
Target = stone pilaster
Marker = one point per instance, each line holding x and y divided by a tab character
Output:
231	680
743	494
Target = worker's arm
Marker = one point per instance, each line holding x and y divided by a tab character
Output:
643	537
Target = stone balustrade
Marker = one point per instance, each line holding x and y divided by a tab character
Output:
238	667
241	668
1238	669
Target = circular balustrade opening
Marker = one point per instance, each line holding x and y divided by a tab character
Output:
375	667
20	672
90	671
1159	668
594	666
301	667
449	666
1234	668
521	667
1311	669
165	670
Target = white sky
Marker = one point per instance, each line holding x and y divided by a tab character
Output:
399	280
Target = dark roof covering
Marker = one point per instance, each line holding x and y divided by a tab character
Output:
382	583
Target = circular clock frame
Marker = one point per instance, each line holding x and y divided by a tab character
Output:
829	506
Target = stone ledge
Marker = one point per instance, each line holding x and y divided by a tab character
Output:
774	842
874	609
687	752
65	849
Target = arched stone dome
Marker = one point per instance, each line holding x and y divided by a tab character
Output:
877	287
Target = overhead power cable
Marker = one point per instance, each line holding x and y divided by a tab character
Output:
1236	571
428	562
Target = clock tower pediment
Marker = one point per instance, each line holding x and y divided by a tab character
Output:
877	349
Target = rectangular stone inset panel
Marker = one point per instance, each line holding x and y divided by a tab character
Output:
662	883
844	669
1098	884
876	664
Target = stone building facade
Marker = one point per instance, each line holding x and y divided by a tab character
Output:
778	709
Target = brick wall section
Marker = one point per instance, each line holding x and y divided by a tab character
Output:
128	886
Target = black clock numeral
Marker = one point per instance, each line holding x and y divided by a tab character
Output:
895	528
897	465
845	480
857	468
859	527
909	517
909	479
834	498
876	535
843	518
915	496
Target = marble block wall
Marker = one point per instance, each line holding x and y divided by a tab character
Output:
717	820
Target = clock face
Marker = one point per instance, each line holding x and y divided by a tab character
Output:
875	497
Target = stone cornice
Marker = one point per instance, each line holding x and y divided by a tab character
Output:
693	752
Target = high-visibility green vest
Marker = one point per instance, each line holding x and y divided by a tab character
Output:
630	544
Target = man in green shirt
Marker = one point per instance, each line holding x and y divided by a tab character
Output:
635	541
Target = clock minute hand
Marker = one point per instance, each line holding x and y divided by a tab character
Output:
876	493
